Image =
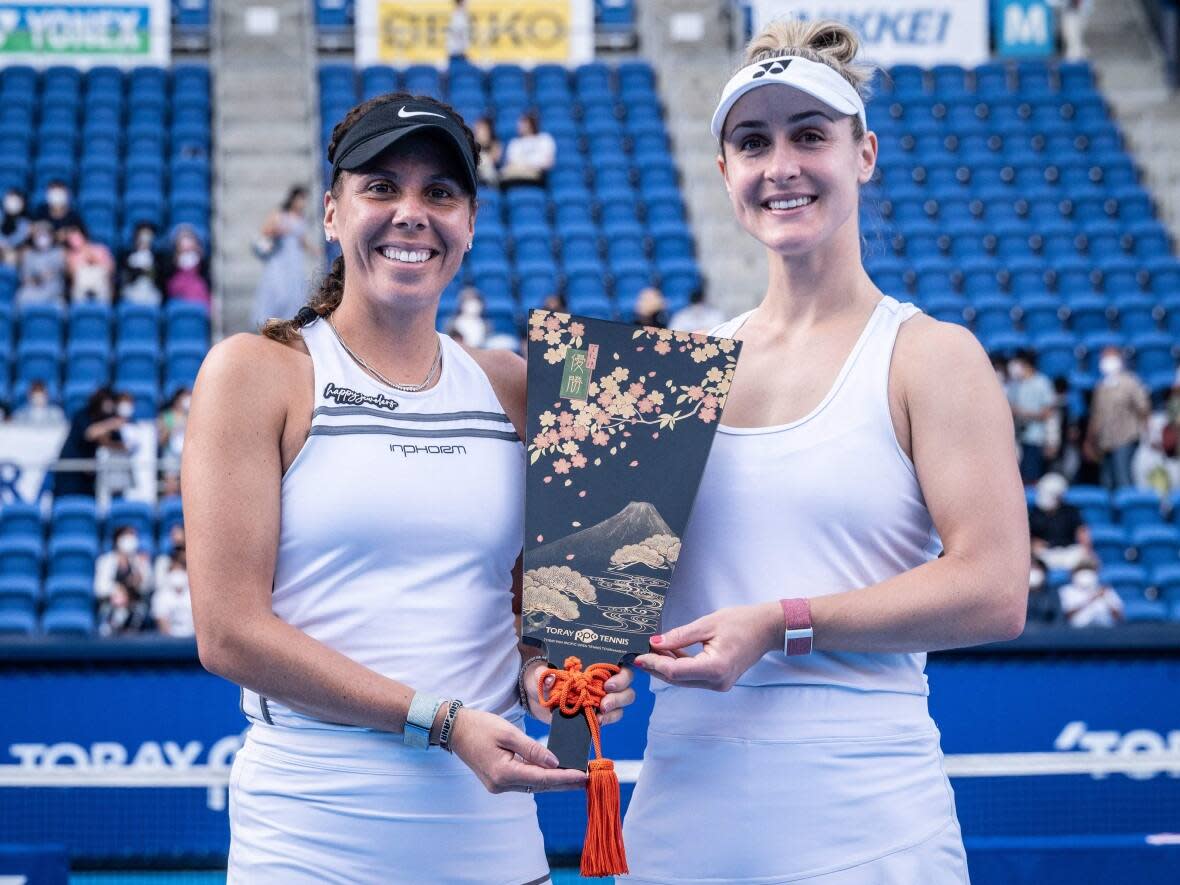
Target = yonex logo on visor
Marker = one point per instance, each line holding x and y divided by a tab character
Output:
814	78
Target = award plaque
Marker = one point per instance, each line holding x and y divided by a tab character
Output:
620	422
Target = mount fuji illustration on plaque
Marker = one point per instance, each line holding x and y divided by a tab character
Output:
611	576
620	422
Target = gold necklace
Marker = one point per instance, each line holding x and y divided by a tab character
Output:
404	388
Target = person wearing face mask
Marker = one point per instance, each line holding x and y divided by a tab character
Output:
188	280
91	267
861	439
367	640
282	288
42	269
1087	602
139	269
469	322
1044	605
39	410
14	227
57	210
1118	415
126	568
1033	404
1058	535
164	559
123	613
116	473
172	606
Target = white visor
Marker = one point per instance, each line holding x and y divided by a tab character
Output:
815	78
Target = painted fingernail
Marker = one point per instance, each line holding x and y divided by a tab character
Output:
656	640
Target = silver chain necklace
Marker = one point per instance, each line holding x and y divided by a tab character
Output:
404	388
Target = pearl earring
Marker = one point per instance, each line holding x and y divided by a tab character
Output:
328	238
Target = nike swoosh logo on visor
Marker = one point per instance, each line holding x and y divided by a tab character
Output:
402	112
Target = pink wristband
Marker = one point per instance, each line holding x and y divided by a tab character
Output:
797	619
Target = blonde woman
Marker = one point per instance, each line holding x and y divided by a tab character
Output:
791	740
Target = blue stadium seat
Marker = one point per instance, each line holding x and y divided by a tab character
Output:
21	557
1166	578
1094	502
1153	352
74	515
1129	581
20	519
1157	545
1041	315
88	362
38	361
68	618
1136	315
1110	543
41	323
137	323
1088	314
133	513
136	362
1137	507
19	590
72	556
17	617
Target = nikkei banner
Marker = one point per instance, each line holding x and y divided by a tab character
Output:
896	31
400	32
81	33
1024	28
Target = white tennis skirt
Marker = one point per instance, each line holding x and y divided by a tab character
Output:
332	806
773	784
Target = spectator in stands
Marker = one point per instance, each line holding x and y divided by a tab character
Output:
39	410
42	269
490	152
164	558
1152	468
651	309
170	430
1033	402
189	279
458	33
1044	605
126	566
89	428
91	267
140	276
282	289
122	613
1072	16
528	157
469	322
1060	538
1087	602
14	226
172	607
1118	415
698	316
1171	433
58	210
116	474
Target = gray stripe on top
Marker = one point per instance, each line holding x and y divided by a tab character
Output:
412	416
358	429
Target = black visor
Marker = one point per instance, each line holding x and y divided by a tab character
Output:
387	123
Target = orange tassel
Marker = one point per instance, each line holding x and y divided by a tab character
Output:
575	691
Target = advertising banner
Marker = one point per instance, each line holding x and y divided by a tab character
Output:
526	32
897	31
82	33
1023	28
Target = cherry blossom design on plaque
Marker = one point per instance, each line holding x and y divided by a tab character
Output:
576	434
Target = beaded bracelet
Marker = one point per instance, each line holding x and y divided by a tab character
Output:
522	692
448	724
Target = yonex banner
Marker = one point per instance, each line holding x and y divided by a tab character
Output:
81	33
897	31
399	32
1023	28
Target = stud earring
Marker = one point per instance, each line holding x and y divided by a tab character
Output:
328	238
469	244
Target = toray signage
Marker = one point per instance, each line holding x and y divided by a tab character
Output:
896	32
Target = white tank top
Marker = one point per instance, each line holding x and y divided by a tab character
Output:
825	504
402	517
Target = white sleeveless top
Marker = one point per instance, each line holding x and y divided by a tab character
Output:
402	517
825	504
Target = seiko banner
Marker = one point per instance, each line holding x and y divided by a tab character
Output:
894	31
526	32
82	33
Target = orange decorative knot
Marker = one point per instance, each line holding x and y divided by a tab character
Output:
581	691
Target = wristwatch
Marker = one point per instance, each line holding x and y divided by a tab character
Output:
797	621
419	720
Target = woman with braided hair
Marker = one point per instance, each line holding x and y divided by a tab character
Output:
790	739
353	491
